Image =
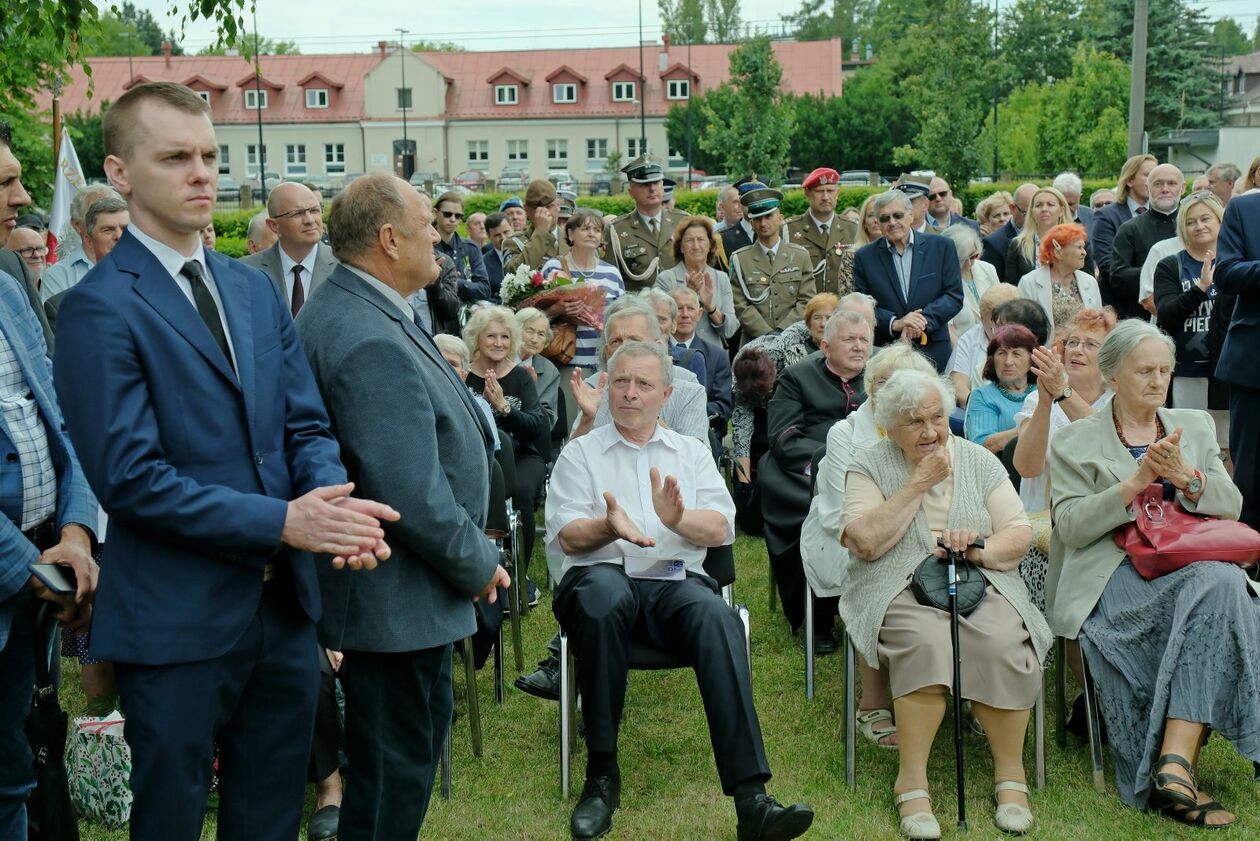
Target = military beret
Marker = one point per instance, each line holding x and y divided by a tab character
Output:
819	177
511	201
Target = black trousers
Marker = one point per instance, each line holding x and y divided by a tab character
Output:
398	711
326	746
789	575
602	610
1244	449
530	472
257	700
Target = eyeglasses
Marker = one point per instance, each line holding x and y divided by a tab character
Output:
452	214
33	251
1076	344
943	194
300	212
888	217
1198	195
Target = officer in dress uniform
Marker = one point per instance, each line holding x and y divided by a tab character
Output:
639	244
771	280
825	235
540	240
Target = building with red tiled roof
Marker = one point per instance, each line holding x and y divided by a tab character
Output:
540	111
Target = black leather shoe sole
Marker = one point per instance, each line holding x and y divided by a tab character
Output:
539	687
792	822
323	824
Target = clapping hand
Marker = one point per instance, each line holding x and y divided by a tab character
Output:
667	499
620	525
702	283
493	392
326	520
1164	458
1051	378
1209	271
588	397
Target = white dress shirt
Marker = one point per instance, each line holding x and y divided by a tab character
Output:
686	411
602	461
1160	250
308	272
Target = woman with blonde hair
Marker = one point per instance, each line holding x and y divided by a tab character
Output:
994	211
1250	180
868	230
1047	209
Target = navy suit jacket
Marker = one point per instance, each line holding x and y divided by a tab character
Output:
194	463
1238	273
993	249
717	365
75	503
935	288
1101	236
494	269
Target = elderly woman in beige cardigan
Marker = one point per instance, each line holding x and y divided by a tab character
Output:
917	485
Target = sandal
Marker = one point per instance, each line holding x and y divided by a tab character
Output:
1202	811
1011	818
866	726
920	825
1162	797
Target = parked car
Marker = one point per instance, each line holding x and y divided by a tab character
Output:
563	179
511	180
859	178
420	177
440	187
271	180
321	184
602	183
228	188
473	179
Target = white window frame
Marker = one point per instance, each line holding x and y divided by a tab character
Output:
678	89
558	153
225	160
507	94
252	162
632	148
398	99
317	97
564	93
335	158
479	154
619	91
253	97
596	144
205	96
517	151
295	159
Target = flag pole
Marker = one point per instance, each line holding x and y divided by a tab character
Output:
56	120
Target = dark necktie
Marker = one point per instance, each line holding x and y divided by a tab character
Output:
206	308
299	296
824	229
1141	210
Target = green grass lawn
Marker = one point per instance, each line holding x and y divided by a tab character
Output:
669	783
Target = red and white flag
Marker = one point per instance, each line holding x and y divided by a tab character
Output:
68	182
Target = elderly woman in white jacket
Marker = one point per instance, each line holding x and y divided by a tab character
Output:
1060	284
978	277
826	561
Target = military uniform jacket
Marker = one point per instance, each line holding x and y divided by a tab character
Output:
770	297
531	248
638	255
826	256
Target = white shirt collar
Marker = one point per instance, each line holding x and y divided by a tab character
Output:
388	291
170	259
748	229
613	436
287	263
818	223
1133	205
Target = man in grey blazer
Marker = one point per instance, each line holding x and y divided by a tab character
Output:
409	431
299	262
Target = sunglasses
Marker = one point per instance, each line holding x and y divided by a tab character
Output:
453	214
888	217
1198	195
941	195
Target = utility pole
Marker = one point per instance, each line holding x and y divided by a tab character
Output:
262	150
1137	83
404	100
690	96
996	135
643	92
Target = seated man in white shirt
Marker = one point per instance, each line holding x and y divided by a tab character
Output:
632	510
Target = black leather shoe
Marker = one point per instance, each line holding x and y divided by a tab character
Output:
766	820
592	817
323	824
544	682
825	644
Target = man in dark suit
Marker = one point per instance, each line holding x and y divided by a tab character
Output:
50	515
717	362
498	229
738	233
201	431
1238	273
940	212
994	247
914	278
1131	199
411	434
299	262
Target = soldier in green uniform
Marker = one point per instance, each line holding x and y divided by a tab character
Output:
826	236
638	244
540	241
771	280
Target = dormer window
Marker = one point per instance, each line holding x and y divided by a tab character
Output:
506	94
256	100
564	93
678	89
205	96
317	97
623	92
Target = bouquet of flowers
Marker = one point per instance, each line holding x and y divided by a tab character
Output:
527	287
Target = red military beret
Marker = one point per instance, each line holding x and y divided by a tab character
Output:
820	176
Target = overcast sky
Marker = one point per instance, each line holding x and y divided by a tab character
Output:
322	26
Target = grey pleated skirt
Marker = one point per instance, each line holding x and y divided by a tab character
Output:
1185	646
999	665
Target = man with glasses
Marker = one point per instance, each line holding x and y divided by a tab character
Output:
28	244
940	213
995	244
299	262
465	255
1135	238
1100	199
914	278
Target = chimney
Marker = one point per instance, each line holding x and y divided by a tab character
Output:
166	52
664	56
383	46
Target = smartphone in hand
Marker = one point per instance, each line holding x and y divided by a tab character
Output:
57	578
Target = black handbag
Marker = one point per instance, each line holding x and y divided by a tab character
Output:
930	584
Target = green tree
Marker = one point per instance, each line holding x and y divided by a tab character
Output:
266	46
818	20
1019	120
683	20
719	100
437	47
753	134
875	122
1228	38
89	139
725	24
127	30
1037	39
1255	36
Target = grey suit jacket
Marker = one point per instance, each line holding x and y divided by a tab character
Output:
12	264
269	261
1087	464
411	437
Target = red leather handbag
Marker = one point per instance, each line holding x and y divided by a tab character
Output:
1166	537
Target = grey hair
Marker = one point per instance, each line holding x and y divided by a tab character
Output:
625	307
257	223
447	343
885	199
685	290
640	350
100	207
840	318
905	391
966	241
1225	171
1067	182
858	299
86	196
656	296
528	314
361	209
898	356
1122	340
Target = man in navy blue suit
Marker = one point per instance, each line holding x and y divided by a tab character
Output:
498	229
994	247
1132	196
913	277
49	513
200	428
1238	273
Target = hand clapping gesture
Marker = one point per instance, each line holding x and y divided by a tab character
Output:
1209	271
621	526
1164	459
702	283
667	499
588	397
493	392
1051	376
